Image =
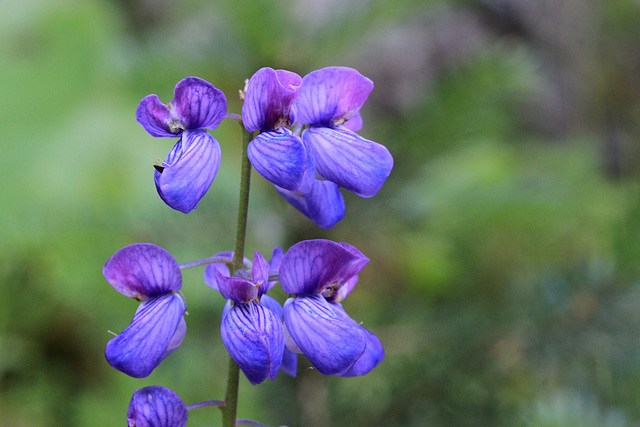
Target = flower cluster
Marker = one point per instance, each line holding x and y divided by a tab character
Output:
318	274
307	144
303	139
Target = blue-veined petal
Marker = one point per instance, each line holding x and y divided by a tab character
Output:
142	270
254	338
332	95
144	343
342	156
177	338
267	102
311	265
289	358
280	157
188	171
331	340
323	204
372	356
156	406
198	104
155	117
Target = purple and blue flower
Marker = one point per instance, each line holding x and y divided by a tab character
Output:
320	274
152	276
193	162
251	327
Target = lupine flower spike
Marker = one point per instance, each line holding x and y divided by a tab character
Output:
192	164
151	275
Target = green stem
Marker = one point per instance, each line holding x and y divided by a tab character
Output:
243	205
230	409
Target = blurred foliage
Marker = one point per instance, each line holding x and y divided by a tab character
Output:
504	247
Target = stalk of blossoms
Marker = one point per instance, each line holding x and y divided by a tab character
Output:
230	409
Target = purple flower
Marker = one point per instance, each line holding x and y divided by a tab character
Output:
276	153
151	275
320	273
252	333
156	406
329	100
191	165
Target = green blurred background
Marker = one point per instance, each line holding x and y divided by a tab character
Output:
504	273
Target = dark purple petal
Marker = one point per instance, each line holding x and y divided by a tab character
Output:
142	270
236	289
329	338
330	96
311	265
267	103
145	342
155	117
188	171
260	272
323	204
198	104
209	276
280	157
352	162
156	406
254	338
372	356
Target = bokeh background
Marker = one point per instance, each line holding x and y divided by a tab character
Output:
505	246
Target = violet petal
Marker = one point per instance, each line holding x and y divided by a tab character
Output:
330	96
311	265
188	171
236	289
155	117
354	123
254	338
267	103
260	272
331	340
142	270
280	157
324	204
342	156
209	276
156	406
372	356
140	348
198	104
